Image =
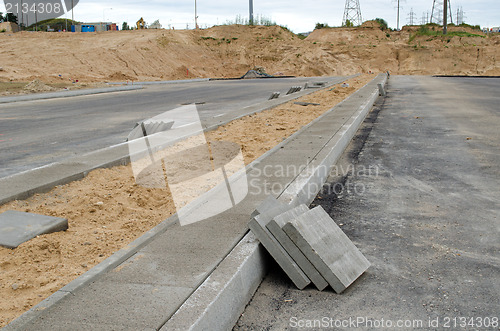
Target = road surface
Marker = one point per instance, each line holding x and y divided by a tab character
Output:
37	133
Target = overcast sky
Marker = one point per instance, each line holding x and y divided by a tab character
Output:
295	14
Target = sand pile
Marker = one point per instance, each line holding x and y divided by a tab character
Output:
230	51
38	86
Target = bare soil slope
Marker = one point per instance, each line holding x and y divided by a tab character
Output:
229	51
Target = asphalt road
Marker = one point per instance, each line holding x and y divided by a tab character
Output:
36	133
422	204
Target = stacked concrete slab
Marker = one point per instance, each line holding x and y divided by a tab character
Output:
308	245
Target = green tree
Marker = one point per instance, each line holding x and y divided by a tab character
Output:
125	26
10	17
321	26
383	23
348	24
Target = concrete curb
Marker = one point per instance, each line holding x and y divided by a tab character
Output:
240	272
196	80
68	94
216	304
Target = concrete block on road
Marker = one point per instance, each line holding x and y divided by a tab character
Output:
258	226
328	248
381	90
18	227
275	95
144	129
275	227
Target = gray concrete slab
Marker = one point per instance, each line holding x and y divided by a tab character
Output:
141	306
275	227
18	227
220	300
327	247
258	226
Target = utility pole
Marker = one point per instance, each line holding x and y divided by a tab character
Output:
22	15
72	16
250	19
445	17
398	15
195	15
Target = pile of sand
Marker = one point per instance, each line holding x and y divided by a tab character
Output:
38	86
230	51
107	210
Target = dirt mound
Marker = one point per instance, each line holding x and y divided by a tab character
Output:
38	86
119	76
230	51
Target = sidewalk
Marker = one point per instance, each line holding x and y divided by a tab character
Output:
148	288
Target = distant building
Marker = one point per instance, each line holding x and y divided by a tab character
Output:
94	27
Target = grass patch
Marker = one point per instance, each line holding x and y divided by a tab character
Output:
12	87
425	31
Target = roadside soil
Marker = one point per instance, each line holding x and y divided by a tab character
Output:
107	210
230	51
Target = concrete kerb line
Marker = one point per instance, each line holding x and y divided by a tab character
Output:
122	255
164	82
67	94
222	311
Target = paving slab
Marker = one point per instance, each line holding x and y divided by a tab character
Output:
18	227
327	247
258	226
141	306
275	227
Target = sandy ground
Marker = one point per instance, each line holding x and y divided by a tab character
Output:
230	51
107	210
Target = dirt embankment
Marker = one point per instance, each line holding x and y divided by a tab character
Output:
229	51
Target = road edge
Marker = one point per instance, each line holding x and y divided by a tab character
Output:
222	297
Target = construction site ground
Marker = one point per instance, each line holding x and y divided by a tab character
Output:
107	210
102	222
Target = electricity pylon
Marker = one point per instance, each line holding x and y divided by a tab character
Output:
437	12
352	13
